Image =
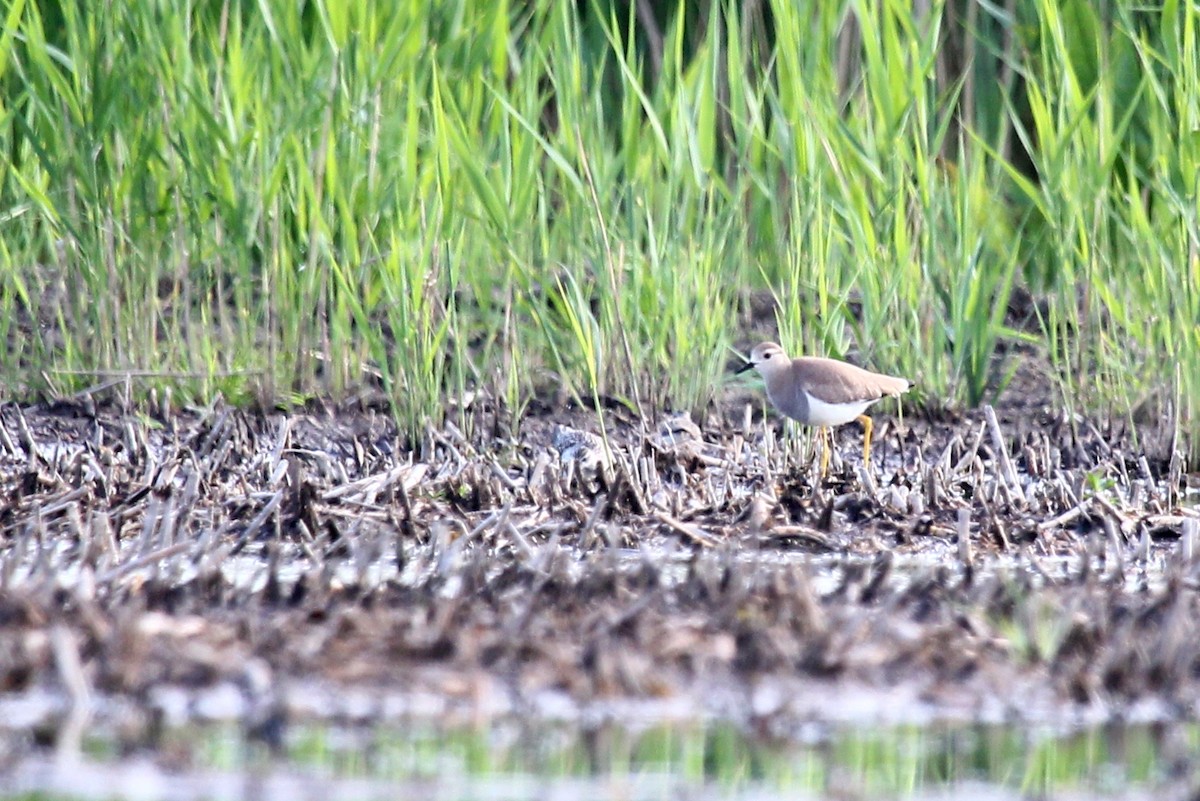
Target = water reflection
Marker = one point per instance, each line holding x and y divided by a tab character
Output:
511	760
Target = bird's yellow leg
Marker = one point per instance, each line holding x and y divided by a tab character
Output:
823	434
868	426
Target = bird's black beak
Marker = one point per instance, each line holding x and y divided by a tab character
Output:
743	368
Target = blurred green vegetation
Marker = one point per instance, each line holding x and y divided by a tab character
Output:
280	199
682	759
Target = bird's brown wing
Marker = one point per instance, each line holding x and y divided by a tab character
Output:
833	381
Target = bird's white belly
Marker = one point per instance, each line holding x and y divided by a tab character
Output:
821	413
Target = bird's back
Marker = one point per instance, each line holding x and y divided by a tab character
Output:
834	381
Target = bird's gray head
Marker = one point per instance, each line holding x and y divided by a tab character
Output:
767	358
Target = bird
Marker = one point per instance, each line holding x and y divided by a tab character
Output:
822	392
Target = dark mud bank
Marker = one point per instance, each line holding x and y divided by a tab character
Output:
219	565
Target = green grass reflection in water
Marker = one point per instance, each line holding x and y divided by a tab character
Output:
903	761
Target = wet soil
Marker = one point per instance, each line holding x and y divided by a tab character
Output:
215	564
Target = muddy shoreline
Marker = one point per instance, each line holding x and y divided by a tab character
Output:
220	565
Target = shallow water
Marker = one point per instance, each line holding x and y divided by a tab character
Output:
511	760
